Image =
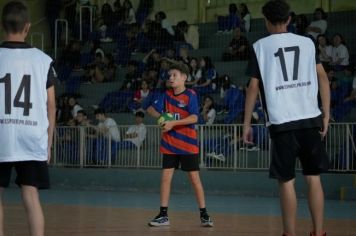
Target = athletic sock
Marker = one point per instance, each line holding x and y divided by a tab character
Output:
163	211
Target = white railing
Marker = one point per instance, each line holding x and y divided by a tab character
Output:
91	10
221	147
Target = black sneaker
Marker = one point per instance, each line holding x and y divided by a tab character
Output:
206	221
159	221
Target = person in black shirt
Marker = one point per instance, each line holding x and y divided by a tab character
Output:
238	48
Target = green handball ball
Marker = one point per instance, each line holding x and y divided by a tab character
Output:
165	117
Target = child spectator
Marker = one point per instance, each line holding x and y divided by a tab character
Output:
74	106
339	53
187	34
245	18
143	10
238	48
195	73
206	84
207	111
129	13
103	69
324	49
161	18
318	25
139	97
230	22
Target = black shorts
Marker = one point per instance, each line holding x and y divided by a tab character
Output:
187	162
305	144
30	173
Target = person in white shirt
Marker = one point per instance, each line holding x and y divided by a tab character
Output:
75	107
136	134
319	25
208	112
245	18
324	49
130	16
161	18
339	53
107	126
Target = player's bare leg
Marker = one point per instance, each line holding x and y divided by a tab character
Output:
288	201
316	202
166	180
198	187
1	214
33	209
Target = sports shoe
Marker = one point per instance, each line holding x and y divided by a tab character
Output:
159	221
219	157
206	221
313	234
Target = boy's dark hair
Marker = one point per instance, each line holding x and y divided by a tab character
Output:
99	111
140	114
183	68
162	15
233	8
82	112
14	17
276	11
323	13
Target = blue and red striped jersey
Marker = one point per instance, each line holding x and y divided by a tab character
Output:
181	139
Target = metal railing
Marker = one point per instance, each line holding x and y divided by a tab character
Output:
221	147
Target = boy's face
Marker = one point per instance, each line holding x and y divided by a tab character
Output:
100	117
176	78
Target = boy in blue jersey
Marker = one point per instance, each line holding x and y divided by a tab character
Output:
179	144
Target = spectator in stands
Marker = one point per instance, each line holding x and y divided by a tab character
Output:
188	34
152	60
107	130
69	60
171	54
230	22
63	112
339	53
195	73
352	95
318	25
183	55
82	118
126	44
151	76
245	18
163	73
324	49
132	76
74	106
103	69
129	12
161	18
135	135
139	97
106	23
207	111
143	10
301	24
238	48
206	84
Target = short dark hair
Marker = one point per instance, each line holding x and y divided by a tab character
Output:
183	68
82	112
276	11
14	17
99	111
140	114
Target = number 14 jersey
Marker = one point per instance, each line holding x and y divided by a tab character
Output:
285	65
25	75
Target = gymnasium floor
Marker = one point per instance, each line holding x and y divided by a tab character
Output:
106	213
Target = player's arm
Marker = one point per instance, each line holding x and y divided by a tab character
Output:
152	112
51	114
251	97
324	89
168	125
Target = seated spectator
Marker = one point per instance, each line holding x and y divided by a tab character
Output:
143	10
152	60
151	77
129	12
82	118
161	18
118	13
206	84
301	24
139	97
318	25
188	34
352	95
339	53
75	107
195	73
126	45
107	130
230	22
163	73
234	102
207	112
103	69
135	135
132	77
63	111
239	47
245	18
183	55
324	50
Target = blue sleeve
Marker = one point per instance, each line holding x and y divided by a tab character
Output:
193	107
158	103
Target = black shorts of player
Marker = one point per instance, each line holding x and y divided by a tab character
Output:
29	173
186	162
303	143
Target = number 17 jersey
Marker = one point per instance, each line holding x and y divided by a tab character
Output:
25	75
285	65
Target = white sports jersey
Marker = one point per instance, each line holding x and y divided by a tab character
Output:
25	75
287	73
